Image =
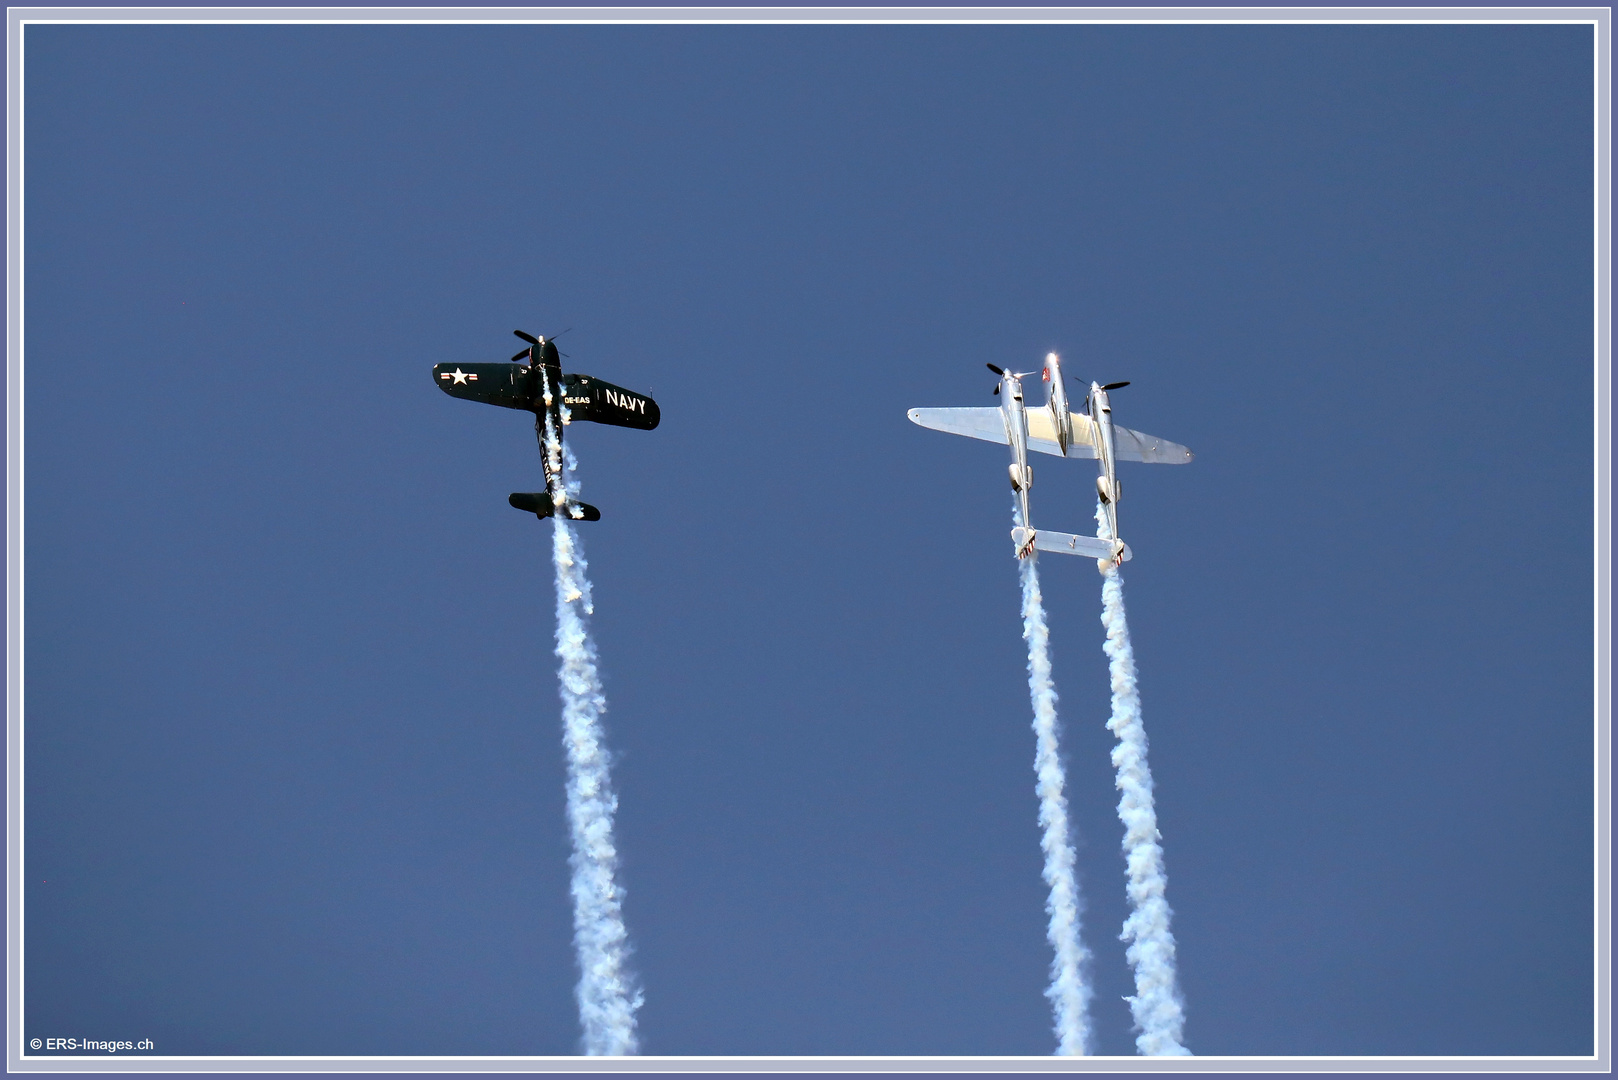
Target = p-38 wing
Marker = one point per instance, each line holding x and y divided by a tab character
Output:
989	425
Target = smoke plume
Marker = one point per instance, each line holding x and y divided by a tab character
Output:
1157	1008
607	994
1069	993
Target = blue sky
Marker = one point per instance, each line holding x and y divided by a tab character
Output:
294	780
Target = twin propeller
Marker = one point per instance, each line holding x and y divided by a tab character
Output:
1024	374
1002	373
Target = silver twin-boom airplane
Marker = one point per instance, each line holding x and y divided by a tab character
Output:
1055	429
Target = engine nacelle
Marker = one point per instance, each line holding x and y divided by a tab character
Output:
1107	491
1022	477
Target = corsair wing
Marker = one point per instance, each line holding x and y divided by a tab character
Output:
510	385
589	398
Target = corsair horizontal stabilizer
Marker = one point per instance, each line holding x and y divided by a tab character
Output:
1026	541
539	504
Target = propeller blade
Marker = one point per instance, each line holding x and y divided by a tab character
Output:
997	371
1115	385
552	339
519	356
530	338
996	389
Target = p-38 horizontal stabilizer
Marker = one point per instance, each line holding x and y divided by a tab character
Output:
539	504
1066	544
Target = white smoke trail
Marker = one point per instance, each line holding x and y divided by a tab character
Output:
1156	1006
1069	993
606	992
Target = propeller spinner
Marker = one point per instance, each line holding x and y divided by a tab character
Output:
532	340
